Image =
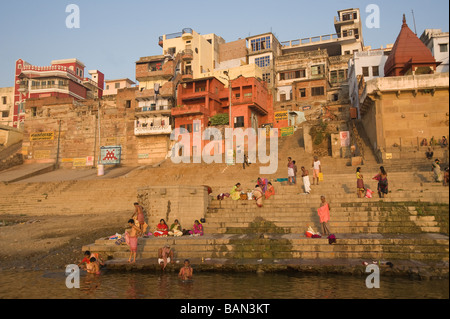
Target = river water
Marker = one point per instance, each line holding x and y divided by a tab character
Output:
208	285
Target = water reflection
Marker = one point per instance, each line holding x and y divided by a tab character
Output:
136	285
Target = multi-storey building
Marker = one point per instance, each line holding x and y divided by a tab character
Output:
6	105
408	104
364	66
111	86
347	39
200	52
263	50
63	78
201	99
437	42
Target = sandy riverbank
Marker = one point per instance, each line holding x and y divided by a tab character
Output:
51	242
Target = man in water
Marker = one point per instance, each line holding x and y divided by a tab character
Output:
186	271
165	256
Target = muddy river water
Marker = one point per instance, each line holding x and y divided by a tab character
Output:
25	284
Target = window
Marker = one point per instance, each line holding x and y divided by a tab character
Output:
292	75
283	97
375	71
189	128
365	71
171	51
317	70
248	95
107	87
239	121
155	66
338	76
4	99
196	127
117	85
317	91
443	47
128	104
5	113
33	111
199	89
266	77
260	44
263	61
302	92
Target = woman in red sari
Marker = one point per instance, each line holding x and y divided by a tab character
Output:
162	229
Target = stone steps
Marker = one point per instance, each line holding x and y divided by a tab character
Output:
284	246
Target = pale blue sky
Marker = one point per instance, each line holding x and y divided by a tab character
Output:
114	33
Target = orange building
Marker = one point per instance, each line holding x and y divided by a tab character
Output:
202	99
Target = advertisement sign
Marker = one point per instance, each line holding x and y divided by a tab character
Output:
287	131
345	138
281	116
79	162
42	136
110	155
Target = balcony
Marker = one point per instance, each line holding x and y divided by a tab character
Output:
187	75
187	34
49	87
152	130
189	110
187	55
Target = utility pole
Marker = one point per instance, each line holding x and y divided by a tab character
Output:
414	20
57	151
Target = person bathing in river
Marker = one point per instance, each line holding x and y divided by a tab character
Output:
165	256
86	260
186	272
139	213
131	237
93	267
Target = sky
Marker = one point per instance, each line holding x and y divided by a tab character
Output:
114	34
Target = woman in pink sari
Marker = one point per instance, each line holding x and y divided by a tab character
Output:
197	230
162	229
324	215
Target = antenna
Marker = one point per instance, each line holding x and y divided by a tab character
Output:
414	19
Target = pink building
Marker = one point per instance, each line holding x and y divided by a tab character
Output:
63	78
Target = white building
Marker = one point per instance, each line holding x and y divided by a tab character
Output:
365	66
437	42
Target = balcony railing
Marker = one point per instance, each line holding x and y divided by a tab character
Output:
152	130
50	86
316	40
187	54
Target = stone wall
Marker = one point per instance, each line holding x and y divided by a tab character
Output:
77	128
185	203
400	111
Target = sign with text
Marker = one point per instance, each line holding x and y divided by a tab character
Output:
281	116
42	136
287	131
110	155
